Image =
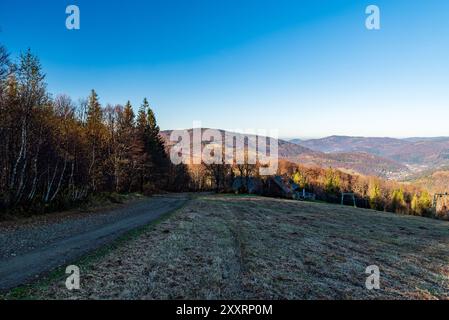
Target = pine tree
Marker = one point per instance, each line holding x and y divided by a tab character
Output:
94	112
95	134
125	145
142	119
128	117
143	140
155	148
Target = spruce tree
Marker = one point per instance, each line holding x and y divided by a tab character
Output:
155	148
95	131
128	117
142	121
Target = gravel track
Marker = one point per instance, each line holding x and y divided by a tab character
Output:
28	251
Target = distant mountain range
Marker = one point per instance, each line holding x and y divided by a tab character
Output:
296	141
417	154
336	152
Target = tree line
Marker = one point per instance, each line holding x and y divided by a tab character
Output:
55	152
370	192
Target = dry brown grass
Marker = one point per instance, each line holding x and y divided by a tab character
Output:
226	247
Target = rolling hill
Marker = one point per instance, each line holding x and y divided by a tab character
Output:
435	181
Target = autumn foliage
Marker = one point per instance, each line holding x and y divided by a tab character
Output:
55	152
371	192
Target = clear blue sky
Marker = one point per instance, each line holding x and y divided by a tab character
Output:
307	68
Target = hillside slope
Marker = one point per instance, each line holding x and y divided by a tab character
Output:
228	247
435	181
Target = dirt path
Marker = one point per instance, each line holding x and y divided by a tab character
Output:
29	251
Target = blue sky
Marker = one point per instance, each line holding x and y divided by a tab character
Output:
306	68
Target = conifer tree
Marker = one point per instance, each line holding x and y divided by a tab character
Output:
125	145
95	134
143	140
155	148
142	120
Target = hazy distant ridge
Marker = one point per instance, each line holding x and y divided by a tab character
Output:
426	152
